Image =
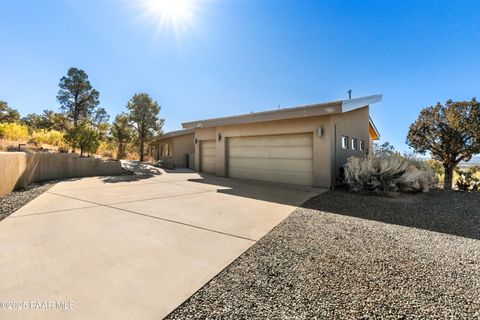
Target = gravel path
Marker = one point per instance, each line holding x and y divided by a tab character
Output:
366	257
15	200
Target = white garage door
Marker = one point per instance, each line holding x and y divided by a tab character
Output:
208	156
278	158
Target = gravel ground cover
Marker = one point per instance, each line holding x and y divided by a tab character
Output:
350	256
15	200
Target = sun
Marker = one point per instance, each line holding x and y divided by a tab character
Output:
165	19
171	11
170	8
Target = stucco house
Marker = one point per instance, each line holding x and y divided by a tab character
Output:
305	145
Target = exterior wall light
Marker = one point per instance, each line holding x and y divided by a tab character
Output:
320	131
196	140
219	137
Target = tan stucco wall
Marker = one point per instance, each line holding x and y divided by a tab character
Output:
321	145
181	145
353	124
18	169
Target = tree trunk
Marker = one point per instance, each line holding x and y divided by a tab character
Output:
120	152
141	147
81	152
448	180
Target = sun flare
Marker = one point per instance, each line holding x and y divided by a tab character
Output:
165	19
171	11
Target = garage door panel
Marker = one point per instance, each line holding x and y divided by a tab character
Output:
274	176
276	158
285	152
208	156
275	165
208	149
272	141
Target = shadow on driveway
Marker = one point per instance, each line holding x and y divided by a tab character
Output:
451	212
293	195
134	171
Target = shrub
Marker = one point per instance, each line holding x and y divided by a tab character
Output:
106	149
13	131
467	181
50	137
388	173
83	137
164	164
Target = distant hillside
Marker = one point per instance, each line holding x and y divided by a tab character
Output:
474	162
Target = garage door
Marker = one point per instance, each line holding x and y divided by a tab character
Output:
277	158
208	156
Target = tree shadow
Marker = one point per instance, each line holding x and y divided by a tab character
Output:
126	178
133	171
450	212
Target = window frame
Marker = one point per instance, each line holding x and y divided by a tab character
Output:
361	145
344	142
354	144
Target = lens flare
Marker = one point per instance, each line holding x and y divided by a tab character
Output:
171	11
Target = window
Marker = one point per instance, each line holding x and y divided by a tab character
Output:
344	142
362	145
166	150
354	144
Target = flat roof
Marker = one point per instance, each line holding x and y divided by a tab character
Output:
172	134
311	110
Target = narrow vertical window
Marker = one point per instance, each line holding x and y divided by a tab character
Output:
362	145
344	142
354	144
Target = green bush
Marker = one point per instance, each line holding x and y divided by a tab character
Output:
83	137
13	131
388	173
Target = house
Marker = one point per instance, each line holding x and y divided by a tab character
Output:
304	145
175	147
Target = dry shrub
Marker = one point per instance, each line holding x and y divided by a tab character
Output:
13	131
49	137
9	145
388	173
148	158
107	150
132	156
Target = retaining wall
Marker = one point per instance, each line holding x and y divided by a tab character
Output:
18	169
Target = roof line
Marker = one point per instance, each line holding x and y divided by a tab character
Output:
172	134
318	109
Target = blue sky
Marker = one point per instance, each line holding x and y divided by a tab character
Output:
238	56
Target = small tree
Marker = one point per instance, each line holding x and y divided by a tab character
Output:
48	120
7	114
121	132
451	133
384	148
143	115
83	137
77	98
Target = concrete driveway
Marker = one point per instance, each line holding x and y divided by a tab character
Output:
130	247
